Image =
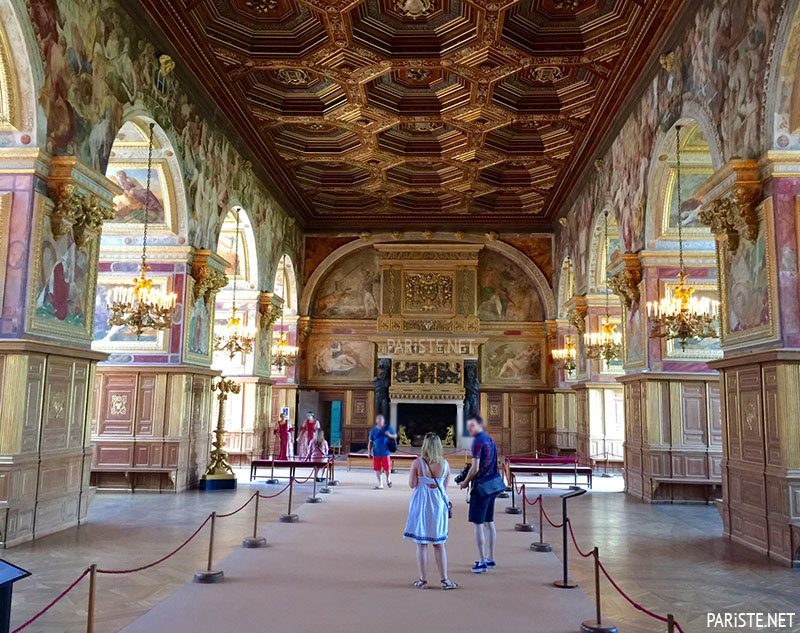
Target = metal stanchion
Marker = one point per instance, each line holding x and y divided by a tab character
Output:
564	582
255	540
332	481
524	526
208	576
670	623
596	625
272	479
541	546
92	594
289	517
314	498
513	509
326	490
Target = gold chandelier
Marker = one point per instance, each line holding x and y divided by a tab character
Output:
141	307
607	343
237	338
565	358
283	354
682	317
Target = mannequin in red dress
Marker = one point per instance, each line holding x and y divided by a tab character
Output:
306	435
283	437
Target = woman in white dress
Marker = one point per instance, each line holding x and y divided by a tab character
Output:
429	509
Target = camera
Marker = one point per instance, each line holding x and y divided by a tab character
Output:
463	474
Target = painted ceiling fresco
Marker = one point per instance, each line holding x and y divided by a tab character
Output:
368	112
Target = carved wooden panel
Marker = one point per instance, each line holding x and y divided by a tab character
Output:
117	410
693	414
523	411
56	413
146	408
80	377
34	386
714	414
731	382
360	414
772	423
751	421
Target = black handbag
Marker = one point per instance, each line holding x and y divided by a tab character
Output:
492	486
391	445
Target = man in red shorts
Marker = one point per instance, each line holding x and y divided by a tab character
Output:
379	451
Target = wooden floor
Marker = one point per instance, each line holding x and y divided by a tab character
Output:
669	558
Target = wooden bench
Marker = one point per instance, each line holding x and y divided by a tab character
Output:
457	461
550	469
291	464
710	485
130	472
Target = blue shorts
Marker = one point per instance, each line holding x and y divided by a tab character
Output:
481	508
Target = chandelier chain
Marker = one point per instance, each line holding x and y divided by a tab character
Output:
680	197
235	259
147	201
605	262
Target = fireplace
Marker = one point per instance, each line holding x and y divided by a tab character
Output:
419	418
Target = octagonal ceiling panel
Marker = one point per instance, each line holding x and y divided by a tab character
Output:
367	112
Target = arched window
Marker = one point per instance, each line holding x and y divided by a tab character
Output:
285	285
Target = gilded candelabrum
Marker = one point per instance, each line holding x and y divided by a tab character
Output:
218	467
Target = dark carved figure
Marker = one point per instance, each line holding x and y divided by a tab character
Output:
382	387
472	388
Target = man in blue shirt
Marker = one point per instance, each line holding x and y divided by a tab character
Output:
379	451
481	507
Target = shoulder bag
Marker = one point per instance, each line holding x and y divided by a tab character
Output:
449	503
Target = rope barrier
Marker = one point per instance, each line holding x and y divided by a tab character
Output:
277	494
59	597
302	481
240	508
160	560
614	584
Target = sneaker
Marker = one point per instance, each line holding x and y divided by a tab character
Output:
479	567
490	564
389	483
379	487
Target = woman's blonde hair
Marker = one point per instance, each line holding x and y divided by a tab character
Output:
319	438
432	451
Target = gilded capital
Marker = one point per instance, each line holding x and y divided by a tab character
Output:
577	318
270	314
303	328
747	196
81	213
625	282
208	281
722	218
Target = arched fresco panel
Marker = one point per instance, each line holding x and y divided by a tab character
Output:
351	290
504	291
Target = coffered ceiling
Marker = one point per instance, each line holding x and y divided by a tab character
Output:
400	112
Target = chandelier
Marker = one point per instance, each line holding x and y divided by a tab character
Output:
283	354
141	307
682	317
607	343
236	338
565	358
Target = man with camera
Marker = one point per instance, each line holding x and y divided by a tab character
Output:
486	485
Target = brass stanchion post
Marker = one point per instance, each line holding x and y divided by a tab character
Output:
597	626
333	481
314	498
326	488
255	540
670	623
272	479
210	576
289	517
541	546
524	526
513	508
92	595
564	582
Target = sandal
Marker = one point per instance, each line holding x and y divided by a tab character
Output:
420	584
448	584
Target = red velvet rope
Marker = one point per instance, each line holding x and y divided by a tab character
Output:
160	560
240	508
58	597
302	481
633	603
277	494
547	518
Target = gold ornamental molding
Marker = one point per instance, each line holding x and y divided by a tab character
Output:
461	254
625	282
270	309
730	200
208	270
428	292
82	200
576	315
459	324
